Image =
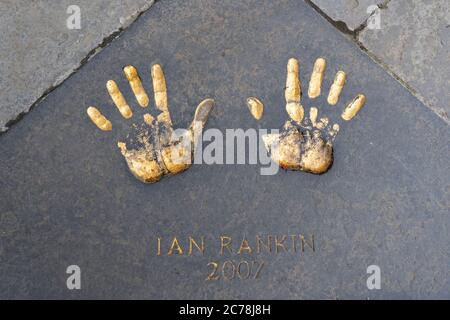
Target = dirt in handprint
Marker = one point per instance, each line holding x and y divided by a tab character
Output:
305	143
141	158
302	148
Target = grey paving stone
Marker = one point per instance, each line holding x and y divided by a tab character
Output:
68	198
38	51
414	42
351	12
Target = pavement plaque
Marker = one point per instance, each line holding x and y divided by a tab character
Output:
67	197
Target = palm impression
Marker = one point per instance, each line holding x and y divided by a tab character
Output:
155	150
305	143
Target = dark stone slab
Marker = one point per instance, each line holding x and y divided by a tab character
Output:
68	198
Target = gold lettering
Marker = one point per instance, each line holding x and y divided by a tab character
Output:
158	252
305	243
193	243
260	243
245	246
175	246
294	242
280	244
225	242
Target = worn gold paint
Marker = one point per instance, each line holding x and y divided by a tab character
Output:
146	166
256	107
160	93
316	78
293	88
336	127
336	87
270	139
177	158
201	115
159	153
98	119
136	85
307	146
322	123
295	111
293	91
332	133
142	163
285	149
174	158
352	109
295	150
244	247
148	119
313	112
118	99
317	156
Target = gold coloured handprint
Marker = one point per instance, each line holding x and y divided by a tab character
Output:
159	151
305	143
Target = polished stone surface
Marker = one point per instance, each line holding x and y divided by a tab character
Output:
68	198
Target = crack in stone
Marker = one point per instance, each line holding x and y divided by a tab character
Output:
354	35
133	18
339	24
382	6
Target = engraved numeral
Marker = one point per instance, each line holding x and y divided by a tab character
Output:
230	270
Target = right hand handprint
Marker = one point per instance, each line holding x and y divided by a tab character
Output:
305	143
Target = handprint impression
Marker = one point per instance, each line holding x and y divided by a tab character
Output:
157	150
305	143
